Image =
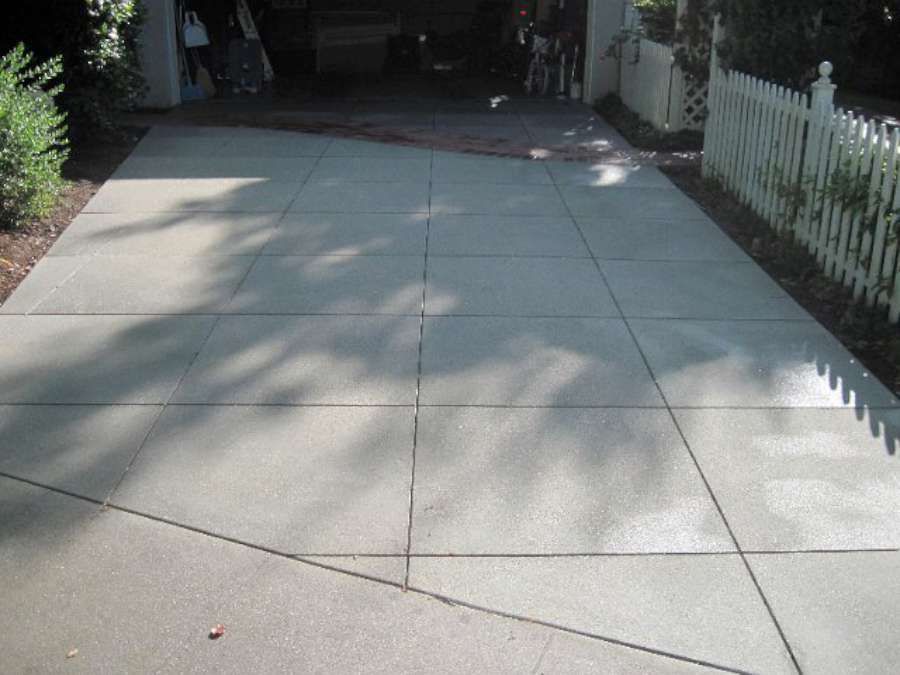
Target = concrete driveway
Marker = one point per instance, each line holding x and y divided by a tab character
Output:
383	408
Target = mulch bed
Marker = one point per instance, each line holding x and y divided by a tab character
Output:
686	145
866	333
91	163
447	140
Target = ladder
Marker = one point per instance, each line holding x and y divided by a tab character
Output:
245	18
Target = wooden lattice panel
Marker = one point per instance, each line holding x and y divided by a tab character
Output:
694	105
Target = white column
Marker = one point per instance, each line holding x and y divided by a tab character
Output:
601	73
159	55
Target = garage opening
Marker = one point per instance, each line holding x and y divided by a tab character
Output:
364	49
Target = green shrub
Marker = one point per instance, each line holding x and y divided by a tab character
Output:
658	19
32	137
785	41
107	79
98	43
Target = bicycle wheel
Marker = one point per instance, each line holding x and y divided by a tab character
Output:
545	79
530	79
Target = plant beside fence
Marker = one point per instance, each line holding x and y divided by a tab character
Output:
822	175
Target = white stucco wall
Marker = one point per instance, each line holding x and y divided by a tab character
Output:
601	74
159	59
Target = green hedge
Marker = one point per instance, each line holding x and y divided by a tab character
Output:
97	41
32	137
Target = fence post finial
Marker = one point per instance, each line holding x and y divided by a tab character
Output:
823	90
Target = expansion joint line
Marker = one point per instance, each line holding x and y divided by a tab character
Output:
681	434
415	439
218	318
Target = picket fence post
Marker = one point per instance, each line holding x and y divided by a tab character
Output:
821	116
823	92
767	145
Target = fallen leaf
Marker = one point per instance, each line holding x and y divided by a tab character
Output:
216	631
72	653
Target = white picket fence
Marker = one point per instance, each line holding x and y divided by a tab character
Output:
646	80
654	87
820	174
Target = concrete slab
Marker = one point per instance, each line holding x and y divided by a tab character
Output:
49	274
699	607
96	359
298	480
402	105
349	234
630	203
515	133
347	625
337	197
350	147
494	105
215	195
505	236
599	174
296	432
268	143
81	449
332	285
698	290
404	119
567	654
517	287
191	131
294	169
755	364
658	239
372	169
459	168
802	479
549	481
488	199
562	119
166	234
593	140
530	105
148	285
177	145
306	360
838	610
388	568
532	362
467	118
84	589
76	577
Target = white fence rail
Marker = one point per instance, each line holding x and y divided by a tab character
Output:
824	176
646	80
656	89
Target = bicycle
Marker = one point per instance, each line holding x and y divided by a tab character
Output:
537	80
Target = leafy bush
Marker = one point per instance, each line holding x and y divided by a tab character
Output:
785	41
98	43
658	19
772	39
32	137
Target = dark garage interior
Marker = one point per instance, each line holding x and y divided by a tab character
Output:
380	48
